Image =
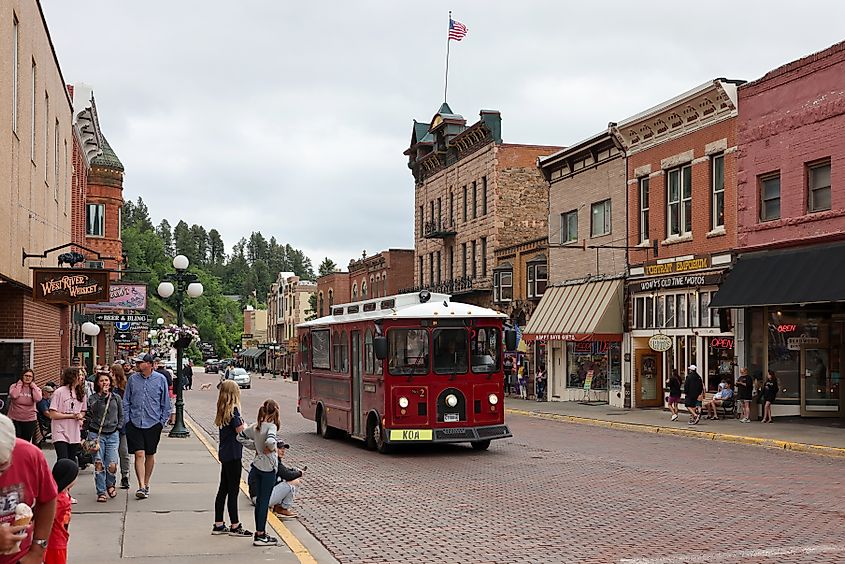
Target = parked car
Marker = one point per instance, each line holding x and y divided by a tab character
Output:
241	377
212	366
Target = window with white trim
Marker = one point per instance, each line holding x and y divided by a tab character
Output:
600	219
643	200
818	187
679	201
503	286
569	227
717	202
536	280
95	223
770	197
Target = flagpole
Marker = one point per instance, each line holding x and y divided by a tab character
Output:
448	42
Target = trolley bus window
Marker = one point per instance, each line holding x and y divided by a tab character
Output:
450	351
485	350
320	349
407	351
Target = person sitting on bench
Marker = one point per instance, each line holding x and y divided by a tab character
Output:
725	393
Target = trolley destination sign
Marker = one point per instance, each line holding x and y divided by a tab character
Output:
122	318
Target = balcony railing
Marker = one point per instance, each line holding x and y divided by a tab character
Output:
438	230
456	286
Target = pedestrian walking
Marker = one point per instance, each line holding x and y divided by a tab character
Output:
287	480
262	438
230	452
64	474
146	406
103	421
118	375
159	367
188	374
540	384
674	384
23	397
27	490
67	412
770	392
693	389
508	370
744	391
522	382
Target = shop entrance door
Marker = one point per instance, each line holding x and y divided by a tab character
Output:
648	380
820	388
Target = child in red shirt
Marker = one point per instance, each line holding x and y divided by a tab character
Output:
64	472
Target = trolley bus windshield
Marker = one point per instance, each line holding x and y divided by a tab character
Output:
455	351
407	351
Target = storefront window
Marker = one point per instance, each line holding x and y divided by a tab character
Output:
682	310
693	309
649	312
789	333
659	310
720	355
755	344
599	359
705	309
670	311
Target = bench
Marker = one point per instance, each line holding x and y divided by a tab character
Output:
727	409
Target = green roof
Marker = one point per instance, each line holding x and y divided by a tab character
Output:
107	159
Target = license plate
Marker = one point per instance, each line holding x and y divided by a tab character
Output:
410	434
451	417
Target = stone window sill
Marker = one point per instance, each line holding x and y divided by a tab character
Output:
718	232
645	244
675	239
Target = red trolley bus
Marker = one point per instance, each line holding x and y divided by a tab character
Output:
410	368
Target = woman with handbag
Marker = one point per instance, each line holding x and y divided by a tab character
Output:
103	421
118	376
67	411
23	396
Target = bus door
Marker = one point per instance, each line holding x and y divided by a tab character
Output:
356	382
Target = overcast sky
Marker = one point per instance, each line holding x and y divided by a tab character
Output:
291	117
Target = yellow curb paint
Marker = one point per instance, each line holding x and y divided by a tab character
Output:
722	437
293	543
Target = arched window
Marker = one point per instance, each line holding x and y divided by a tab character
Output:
354	291
373	287
331	298
384	283
320	305
363	289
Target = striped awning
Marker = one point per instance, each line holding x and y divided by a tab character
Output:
589	311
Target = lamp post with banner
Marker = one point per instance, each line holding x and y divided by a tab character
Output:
180	282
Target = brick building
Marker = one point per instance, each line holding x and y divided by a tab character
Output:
681	175
333	288
382	274
473	194
579	321
35	192
791	212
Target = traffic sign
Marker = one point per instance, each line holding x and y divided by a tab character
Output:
124	338
122	318
122	325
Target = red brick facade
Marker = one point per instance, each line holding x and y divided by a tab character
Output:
332	289
383	274
792	117
25	319
105	186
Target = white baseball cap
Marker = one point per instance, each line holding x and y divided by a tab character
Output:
693	367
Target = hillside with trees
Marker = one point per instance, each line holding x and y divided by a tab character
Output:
231	281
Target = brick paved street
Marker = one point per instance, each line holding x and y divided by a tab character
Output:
558	492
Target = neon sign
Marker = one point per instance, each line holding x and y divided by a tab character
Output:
786	328
721	343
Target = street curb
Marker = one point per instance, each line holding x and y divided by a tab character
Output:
298	549
706	435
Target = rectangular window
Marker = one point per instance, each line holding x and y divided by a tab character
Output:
569	227
407	351
431	216
681	310
450	267
483	195
464	260
644	236
536	280
320	351
56	160
46	136
422	273
15	71
679	201
94	220
451	209
503	285
474	259
639	313
600	219
439	213
483	257
465	202
717	173
671	319
818	189
474	200
422	221
437	260
431	269
770	197
32	115
705	309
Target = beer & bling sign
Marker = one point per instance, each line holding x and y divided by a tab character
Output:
70	286
660	342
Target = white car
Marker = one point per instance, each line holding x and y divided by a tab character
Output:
240	376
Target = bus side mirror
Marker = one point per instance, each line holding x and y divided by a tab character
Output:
510	339
380	346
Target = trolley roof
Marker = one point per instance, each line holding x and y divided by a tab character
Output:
403	306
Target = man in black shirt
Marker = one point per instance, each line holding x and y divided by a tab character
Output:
693	388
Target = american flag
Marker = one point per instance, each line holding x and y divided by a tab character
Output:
457	30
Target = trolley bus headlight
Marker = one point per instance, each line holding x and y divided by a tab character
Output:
493	399
403	402
451	400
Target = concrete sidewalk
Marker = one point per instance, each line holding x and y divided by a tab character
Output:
173	525
821	436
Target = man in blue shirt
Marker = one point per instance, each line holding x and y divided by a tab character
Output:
146	404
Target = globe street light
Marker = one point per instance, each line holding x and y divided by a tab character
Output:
179	283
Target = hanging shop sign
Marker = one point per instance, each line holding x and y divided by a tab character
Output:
681	281
123	318
70	285
124	338
678	266
660	342
795	343
124	296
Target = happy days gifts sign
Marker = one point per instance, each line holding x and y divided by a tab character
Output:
124	296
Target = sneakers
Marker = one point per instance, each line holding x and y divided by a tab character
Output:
73	500
124	483
219	529
239	531
142	493
264	540
675	417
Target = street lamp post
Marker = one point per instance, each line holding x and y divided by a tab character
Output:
181	282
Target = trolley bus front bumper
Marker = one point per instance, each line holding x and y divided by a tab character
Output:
448	435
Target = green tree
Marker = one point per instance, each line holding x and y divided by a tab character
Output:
326	267
216	249
184	242
166	234
199	239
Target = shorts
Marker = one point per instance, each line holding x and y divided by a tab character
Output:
143	439
55	555
674	400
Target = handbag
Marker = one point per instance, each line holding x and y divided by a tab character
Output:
93	445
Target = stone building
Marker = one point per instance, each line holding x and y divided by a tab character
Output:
681	175
473	194
579	321
382	274
787	284
35	192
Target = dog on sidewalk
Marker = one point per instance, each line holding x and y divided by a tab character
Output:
206	386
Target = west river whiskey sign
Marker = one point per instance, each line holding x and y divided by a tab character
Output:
70	285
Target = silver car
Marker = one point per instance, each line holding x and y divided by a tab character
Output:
240	376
